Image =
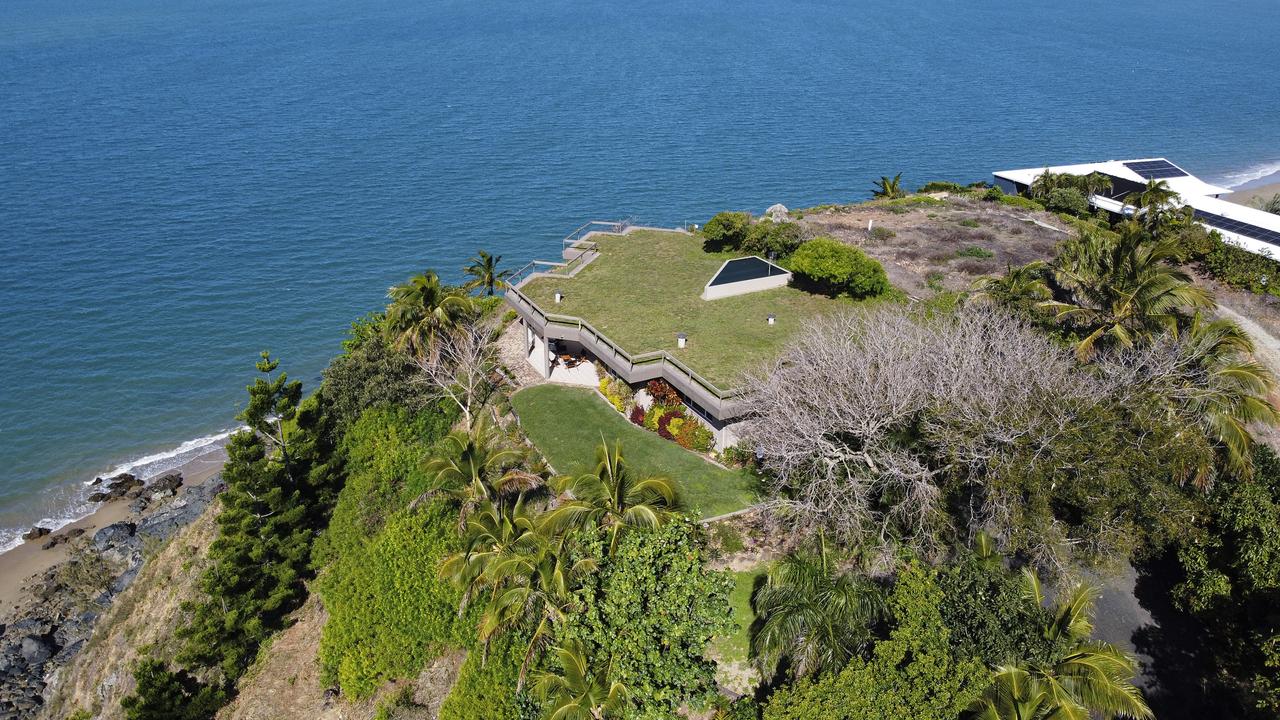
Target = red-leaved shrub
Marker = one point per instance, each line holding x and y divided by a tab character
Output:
664	423
637	415
663	394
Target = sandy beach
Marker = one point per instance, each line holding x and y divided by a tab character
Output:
1246	195
17	566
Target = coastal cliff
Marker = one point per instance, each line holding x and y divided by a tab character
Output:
109	578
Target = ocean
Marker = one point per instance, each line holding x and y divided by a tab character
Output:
185	183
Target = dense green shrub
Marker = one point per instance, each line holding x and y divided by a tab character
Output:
370	373
653	608
1067	200
767	237
1194	241
1231	582
995	194
726	231
836	268
941	186
985	607
1241	269
386	450
486	684
163	694
880	233
974	251
389	613
916	673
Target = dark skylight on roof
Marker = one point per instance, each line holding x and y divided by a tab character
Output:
747	268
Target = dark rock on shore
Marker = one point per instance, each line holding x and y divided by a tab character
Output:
117	487
48	633
67	536
36	533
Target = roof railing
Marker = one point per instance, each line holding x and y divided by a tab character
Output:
633	361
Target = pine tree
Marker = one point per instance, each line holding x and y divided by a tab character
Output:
280	475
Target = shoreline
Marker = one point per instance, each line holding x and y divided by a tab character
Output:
1245	194
20	564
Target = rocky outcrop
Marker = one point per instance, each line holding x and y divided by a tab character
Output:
117	487
163	487
36	533
778	213
47	634
61	538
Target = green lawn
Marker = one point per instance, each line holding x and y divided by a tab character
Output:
566	423
645	287
735	647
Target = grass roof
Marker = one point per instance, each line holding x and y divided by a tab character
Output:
645	287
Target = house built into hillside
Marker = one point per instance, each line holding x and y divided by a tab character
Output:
1252	229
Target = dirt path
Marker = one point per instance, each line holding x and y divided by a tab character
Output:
1266	345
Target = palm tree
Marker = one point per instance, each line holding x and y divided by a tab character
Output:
1095	183
485	274
1225	390
611	499
493	532
1083	678
811	614
889	188
1020	287
1121	288
481	464
580	691
421	310
1153	202
534	580
1045	183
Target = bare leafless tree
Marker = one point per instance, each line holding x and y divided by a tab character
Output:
867	412
464	366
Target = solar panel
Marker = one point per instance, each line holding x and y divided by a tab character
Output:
1156	169
1239	228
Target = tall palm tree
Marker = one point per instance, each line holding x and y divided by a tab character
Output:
1224	389
611	499
581	690
485	274
889	187
1154	202
1121	289
812	615
1083	678
481	464
421	310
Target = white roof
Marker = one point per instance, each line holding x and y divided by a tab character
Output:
1186	186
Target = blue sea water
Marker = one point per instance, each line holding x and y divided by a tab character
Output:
184	183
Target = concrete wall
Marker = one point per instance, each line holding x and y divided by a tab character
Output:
742	287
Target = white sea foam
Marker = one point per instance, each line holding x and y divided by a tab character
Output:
1251	174
145	468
